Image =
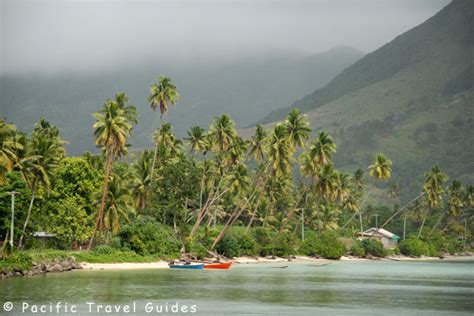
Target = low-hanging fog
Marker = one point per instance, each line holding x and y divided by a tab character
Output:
58	35
61	59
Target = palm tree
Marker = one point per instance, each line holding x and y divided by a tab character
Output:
318	155
8	147
161	95
381	169
455	205
113	128
456	198
279	151
326	184
433	189
165	141
322	149
197	139
222	133
43	155
359	179
343	188
141	182
118	206
235	154
298	128
327	217
258	143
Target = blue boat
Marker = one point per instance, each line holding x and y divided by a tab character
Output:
192	266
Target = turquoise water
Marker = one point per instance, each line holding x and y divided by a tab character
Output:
345	288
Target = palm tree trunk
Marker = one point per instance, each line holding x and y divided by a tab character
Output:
250	223
229	223
422	225
206	206
397	212
436	225
154	161
287	219
30	208
98	224
174	222
360	213
233	218
254	213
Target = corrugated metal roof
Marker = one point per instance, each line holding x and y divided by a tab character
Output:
43	234
380	231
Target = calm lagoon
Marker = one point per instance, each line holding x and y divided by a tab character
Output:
340	288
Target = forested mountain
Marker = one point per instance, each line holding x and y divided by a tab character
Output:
246	89
411	99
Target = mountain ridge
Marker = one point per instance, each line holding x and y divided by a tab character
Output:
411	99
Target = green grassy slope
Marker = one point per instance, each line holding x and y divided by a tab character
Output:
411	99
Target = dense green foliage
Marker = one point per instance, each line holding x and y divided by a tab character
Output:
357	250
280	192
19	260
415	247
325	245
147	237
373	247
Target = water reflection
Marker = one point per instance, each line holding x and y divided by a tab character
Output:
341	287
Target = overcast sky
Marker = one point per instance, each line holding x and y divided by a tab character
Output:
53	35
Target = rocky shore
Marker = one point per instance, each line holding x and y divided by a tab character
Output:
67	264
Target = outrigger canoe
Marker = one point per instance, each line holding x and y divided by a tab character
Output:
193	266
218	265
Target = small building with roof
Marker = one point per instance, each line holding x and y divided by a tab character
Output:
388	239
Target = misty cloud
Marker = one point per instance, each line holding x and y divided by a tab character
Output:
83	35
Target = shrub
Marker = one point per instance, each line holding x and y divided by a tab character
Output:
263	238
104	250
147	237
393	251
414	247
247	245
115	242
438	242
228	247
283	245
18	260
246	242
373	247
325	245
357	249
198	249
206	235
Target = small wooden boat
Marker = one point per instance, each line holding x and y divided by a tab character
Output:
192	266
218	265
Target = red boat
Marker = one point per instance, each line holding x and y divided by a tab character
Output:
218	265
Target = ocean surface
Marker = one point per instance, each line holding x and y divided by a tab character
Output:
340	288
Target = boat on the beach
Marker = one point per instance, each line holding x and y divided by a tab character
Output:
192	266
218	265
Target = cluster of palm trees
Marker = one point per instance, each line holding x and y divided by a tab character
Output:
280	178
35	157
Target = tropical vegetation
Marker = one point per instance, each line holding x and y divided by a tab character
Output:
279	192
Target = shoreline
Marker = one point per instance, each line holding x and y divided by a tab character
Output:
86	266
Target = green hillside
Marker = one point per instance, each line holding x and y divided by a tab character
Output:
411	99
245	88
